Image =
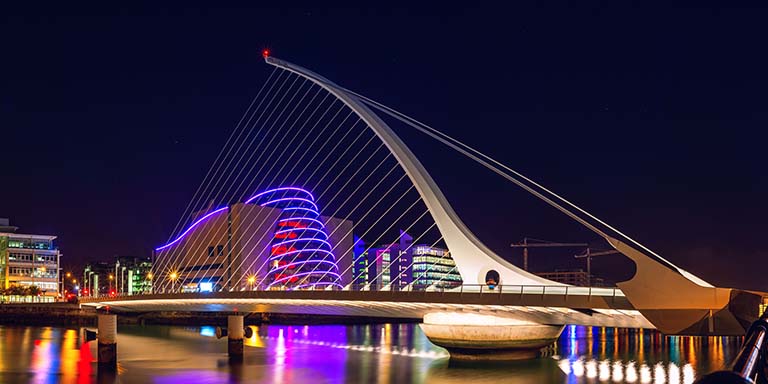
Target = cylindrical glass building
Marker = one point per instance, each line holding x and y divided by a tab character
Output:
301	255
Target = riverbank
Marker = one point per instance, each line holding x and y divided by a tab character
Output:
61	314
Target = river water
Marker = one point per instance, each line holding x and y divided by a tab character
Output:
382	353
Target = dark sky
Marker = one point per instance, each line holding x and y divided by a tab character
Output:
653	119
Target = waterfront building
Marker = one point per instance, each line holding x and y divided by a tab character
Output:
98	279
133	275
267	241
397	265
29	260
360	263
434	266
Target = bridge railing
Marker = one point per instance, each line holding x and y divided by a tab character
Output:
522	290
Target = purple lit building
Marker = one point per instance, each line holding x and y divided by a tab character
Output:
231	248
301	255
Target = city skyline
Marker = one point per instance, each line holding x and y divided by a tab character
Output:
633	139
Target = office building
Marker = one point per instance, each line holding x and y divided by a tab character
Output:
133	275
277	239
29	260
401	264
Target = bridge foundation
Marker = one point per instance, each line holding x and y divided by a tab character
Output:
474	336
107	341
235	334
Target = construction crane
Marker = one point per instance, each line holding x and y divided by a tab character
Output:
536	243
588	254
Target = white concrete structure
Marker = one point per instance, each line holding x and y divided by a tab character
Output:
473	258
657	289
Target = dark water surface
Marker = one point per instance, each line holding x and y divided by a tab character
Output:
388	353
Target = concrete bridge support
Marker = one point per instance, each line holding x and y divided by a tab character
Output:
474	336
107	341
235	335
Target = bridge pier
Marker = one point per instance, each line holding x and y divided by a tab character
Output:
107	341
474	336
235	335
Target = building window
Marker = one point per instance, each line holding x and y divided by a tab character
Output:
220	250
211	252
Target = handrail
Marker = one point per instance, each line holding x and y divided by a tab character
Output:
498	290
750	364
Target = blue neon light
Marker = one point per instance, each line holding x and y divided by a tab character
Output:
254	197
191	227
290	199
302	209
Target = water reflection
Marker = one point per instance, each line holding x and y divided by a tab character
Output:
388	353
630	355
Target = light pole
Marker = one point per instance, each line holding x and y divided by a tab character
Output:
149	277
251	280
173	276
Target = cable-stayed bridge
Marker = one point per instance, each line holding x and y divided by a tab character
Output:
315	205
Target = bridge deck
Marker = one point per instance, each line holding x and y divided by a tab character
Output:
546	308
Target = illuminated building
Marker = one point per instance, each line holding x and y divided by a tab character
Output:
29	260
360	263
300	254
401	264
133	275
433	266
234	247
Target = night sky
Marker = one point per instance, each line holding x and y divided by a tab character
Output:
652	119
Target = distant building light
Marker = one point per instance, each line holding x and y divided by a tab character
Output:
206	287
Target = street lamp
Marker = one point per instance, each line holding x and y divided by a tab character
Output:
173	276
148	284
251	280
111	277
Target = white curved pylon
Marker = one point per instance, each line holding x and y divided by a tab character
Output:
473	259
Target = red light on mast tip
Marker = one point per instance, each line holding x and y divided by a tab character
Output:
265	53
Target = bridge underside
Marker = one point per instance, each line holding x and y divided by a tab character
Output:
404	305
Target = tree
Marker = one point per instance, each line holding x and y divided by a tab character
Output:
32	290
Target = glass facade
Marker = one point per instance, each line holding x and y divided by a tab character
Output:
402	264
434	267
301	254
29	260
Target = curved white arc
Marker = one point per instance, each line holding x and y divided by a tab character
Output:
191	227
472	257
486	161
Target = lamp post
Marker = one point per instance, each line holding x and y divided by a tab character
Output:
173	276
111	277
149	278
251	280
